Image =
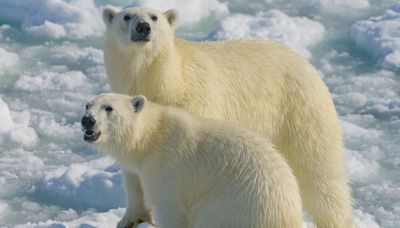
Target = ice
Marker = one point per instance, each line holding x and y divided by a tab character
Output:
8	59
52	64
47	30
54	19
15	132
360	168
380	36
3	209
338	6
190	12
364	220
5	117
274	25
100	220
54	80
84	184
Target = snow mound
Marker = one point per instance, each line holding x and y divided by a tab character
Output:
380	36
87	56
69	80
339	6
54	19
364	220
8	59
274	25
190	12
17	132
100	220
370	93
3	209
360	167
95	184
12	170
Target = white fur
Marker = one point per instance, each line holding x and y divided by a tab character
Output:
261	85
196	172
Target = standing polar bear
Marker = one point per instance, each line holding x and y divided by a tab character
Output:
261	85
195	172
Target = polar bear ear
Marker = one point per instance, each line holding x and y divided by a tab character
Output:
172	16
138	103
109	13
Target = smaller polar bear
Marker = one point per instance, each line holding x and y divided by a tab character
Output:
195	172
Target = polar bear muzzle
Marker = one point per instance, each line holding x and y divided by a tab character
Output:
140	31
91	134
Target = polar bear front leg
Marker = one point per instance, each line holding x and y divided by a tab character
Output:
136	212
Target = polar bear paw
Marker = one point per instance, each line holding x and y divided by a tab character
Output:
129	223
134	221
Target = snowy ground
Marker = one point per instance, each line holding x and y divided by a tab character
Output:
51	63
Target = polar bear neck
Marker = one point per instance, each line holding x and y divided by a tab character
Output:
138	140
145	72
163	129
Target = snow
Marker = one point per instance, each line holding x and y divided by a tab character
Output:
40	18
337	6
100	220
190	12
380	36
268	25
9	59
85	183
55	80
52	64
364	220
3	209
16	132
47	30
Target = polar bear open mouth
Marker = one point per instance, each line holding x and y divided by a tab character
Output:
91	136
140	39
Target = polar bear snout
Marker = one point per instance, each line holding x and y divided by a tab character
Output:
141	32
88	122
91	134
143	28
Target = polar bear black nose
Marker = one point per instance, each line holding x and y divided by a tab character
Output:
88	121
143	28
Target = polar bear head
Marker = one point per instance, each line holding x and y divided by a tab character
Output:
112	119
139	27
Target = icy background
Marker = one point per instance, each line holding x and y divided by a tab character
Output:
51	63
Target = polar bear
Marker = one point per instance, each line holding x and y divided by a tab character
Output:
195	172
259	84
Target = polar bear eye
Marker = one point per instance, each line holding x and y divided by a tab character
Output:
109	109
154	18
127	18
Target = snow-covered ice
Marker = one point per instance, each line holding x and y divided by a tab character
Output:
54	19
268	25
16	132
190	12
52	64
9	59
339	6
380	36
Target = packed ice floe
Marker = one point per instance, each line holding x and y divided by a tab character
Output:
190	12
16	130
9	59
84	184
339	6
380	36
52	64
268	25
54	19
